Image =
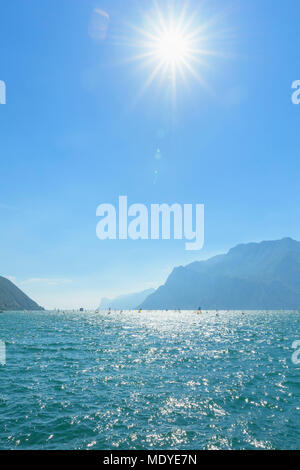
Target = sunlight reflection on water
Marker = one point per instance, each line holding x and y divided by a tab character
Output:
149	380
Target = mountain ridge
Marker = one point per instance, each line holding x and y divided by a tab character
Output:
127	301
12	298
263	275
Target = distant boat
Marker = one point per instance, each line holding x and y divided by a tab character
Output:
81	309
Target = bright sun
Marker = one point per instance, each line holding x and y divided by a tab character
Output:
172	48
172	44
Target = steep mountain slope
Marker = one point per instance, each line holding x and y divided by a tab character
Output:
12	298
252	276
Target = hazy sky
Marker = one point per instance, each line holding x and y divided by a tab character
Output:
80	128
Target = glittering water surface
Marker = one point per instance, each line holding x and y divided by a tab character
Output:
150	380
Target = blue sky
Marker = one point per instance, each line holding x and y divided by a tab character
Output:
76	132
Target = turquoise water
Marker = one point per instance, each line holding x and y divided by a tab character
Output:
156	380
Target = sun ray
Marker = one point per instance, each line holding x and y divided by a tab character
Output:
175	43
150	79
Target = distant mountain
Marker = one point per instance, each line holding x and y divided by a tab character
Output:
126	302
262	275
12	298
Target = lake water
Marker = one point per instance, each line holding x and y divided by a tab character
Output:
149	380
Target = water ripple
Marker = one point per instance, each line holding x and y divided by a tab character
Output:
155	380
